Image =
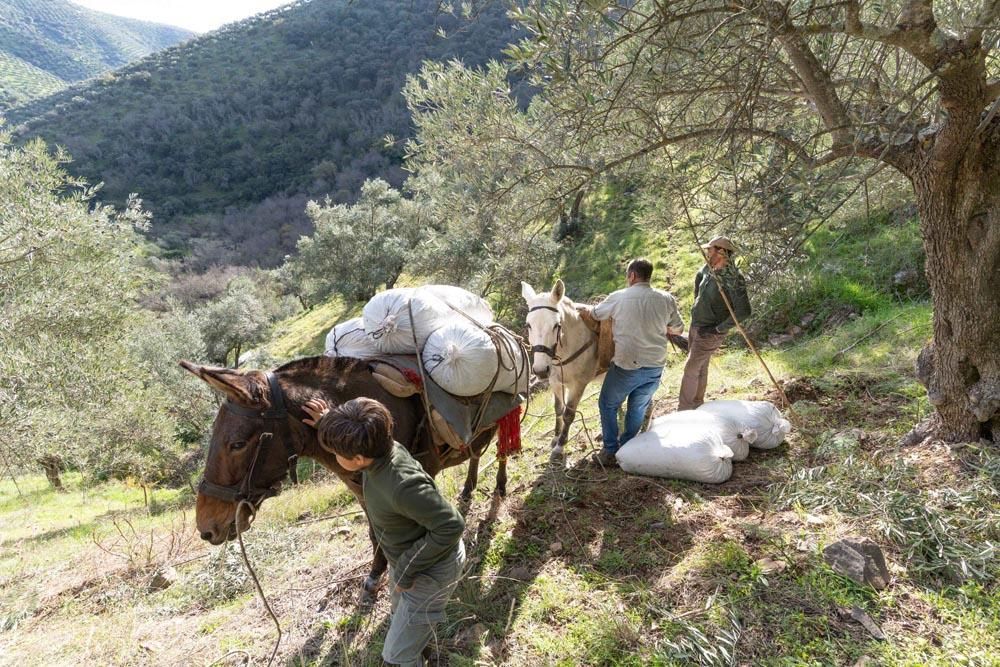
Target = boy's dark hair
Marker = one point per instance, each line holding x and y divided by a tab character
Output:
359	426
642	268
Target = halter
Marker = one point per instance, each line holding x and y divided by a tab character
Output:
551	349
245	489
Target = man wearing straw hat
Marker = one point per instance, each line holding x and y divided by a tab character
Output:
710	318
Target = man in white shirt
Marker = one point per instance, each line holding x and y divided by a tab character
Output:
642	319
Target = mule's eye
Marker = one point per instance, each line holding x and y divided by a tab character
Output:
238	445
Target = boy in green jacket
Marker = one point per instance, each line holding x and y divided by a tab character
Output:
419	531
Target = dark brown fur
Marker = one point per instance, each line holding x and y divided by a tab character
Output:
335	380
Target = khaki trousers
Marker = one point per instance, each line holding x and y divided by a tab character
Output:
695	380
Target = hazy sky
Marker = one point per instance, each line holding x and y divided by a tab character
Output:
197	15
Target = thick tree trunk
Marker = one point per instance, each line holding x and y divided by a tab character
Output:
52	465
959	208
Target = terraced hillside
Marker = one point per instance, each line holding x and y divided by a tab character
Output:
47	44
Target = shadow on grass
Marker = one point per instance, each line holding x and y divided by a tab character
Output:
610	531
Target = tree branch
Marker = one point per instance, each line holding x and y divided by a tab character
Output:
992	89
988	14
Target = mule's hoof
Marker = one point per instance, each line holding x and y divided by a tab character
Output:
371	584
366	600
557	455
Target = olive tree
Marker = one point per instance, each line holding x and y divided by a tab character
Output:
847	87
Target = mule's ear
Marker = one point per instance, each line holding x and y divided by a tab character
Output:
558	290
527	291
232	383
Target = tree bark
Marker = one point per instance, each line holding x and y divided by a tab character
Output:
52	465
959	205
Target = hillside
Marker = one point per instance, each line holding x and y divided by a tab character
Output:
226	136
47	44
578	565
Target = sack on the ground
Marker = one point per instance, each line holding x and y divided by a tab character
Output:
678	448
731	435
463	359
761	418
348	339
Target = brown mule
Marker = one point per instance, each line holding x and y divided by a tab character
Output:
258	434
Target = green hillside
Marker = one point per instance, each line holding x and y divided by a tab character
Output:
47	44
225	136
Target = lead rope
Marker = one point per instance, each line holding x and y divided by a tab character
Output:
253	575
729	306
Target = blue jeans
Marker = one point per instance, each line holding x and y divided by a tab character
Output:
638	386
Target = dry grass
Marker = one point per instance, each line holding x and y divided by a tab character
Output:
578	566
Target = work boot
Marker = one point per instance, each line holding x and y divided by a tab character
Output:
606	459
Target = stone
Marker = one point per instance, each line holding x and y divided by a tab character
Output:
520	573
778	340
807	319
162	579
906	278
862	617
556	547
859	560
794	330
771	566
471	637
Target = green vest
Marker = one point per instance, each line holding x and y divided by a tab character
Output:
709	309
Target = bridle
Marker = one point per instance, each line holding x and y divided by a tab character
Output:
551	349
245	489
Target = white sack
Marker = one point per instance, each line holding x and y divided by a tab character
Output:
760	416
738	441
461	300
387	319
679	448
462	358
348	339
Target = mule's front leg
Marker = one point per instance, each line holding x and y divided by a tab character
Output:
371	584
559	436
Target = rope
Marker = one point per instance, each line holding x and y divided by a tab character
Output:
253	575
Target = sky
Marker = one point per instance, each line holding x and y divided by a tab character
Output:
196	15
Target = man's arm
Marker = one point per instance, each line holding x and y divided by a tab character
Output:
419	500
675	324
606	308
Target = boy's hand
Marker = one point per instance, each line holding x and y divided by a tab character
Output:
315	408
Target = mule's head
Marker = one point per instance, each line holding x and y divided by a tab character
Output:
248	455
545	321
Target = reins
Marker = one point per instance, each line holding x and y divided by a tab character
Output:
552	350
245	490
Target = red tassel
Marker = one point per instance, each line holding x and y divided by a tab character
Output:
509	433
413	377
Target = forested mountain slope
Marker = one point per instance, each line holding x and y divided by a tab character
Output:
291	104
47	44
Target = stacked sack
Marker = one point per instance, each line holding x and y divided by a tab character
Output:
761	424
701	445
452	330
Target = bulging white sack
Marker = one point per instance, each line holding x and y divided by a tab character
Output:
348	339
462	359
461	300
759	416
679	447
737	440
387	319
